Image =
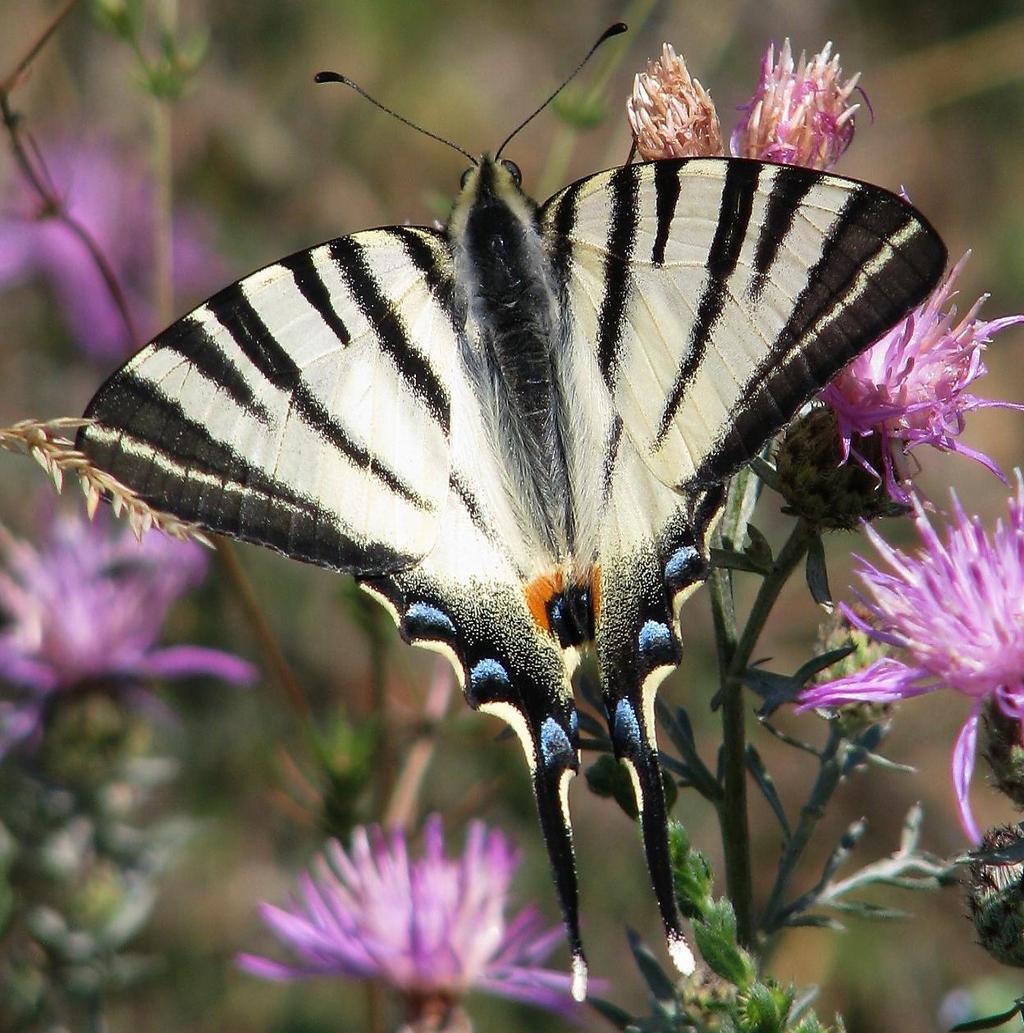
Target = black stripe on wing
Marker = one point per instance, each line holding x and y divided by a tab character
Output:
176	466
188	339
390	329
624	192
559	240
853	295
422	252
789	188
734	211
311	286
666	194
236	314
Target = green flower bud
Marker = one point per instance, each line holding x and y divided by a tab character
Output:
995	898
819	486
835	633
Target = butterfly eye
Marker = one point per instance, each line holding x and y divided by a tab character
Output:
465	177
513	170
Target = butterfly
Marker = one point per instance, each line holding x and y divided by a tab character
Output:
516	431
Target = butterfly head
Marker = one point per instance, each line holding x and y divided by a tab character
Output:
492	183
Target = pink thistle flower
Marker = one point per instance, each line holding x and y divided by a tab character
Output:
432	928
670	113
911	386
799	114
113	200
86	609
957	608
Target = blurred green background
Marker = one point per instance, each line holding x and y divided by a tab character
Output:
276	164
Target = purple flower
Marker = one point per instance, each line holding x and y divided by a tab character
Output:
911	386
799	114
86	608
109	196
432	927
957	608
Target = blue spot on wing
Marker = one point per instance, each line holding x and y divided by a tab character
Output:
626	728
488	680
428	622
684	567
554	743
655	639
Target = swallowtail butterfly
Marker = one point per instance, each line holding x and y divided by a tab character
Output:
516	431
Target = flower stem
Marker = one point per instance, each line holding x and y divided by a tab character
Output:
825	784
734	652
260	626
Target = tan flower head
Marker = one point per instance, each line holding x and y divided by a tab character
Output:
670	113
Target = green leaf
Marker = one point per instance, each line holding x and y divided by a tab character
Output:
774	689
691	874
991	1021
619	1018
817	573
805	672
765	782
716	940
660	986
764	1008
758	549
729	559
608	778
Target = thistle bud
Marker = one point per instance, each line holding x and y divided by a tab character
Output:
818	485
835	633
996	899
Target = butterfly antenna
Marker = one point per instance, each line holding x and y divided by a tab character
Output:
322	77
613	30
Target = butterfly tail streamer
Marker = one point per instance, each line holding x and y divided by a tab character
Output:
550	785
635	747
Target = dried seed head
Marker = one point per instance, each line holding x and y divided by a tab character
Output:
670	113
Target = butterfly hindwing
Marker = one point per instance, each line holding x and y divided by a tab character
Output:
304	408
465	600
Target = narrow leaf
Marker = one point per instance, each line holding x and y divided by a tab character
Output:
991	1021
619	1018
661	987
817	573
764	780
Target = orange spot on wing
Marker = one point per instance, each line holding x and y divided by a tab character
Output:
595	591
539	592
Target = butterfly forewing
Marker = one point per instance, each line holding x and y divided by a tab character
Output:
303	408
717	296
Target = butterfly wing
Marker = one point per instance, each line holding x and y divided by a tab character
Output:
304	408
323	406
705	301
718	295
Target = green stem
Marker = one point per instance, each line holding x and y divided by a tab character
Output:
734	652
95	1020
732	808
829	776
794	550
